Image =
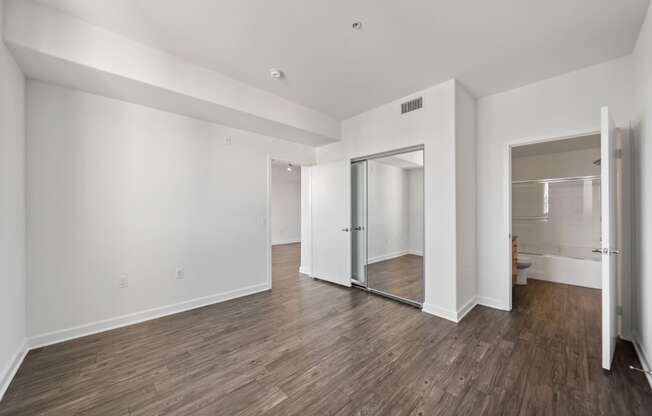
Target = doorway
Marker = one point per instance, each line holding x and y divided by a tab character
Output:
568	247
286	213
387	224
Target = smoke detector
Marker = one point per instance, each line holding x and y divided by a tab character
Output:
275	73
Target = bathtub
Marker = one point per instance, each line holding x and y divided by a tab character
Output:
568	270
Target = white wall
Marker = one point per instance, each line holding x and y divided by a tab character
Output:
415	220
306	244
120	190
12	214
556	165
395	211
383	129
561	106
465	194
387	211
573	225
642	282
286	204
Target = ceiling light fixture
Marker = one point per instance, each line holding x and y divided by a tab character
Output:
275	73
357	25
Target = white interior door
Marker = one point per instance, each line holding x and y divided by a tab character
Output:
331	222
609	237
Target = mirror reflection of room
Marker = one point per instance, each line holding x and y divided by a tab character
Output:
395	225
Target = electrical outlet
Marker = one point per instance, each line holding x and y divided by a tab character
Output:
227	140
181	274
124	282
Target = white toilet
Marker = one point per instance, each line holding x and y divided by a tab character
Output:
523	263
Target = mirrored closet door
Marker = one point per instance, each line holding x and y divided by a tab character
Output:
388	235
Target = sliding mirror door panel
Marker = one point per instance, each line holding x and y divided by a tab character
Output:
359	223
395	226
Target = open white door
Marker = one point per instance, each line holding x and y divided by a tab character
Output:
609	237
331	218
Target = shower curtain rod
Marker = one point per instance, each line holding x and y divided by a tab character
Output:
559	180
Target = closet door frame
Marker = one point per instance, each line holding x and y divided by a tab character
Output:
380	155
357	199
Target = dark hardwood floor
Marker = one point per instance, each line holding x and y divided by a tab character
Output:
400	276
311	348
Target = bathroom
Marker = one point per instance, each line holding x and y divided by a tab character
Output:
569	203
556	212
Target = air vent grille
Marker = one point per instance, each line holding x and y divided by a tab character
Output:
411	105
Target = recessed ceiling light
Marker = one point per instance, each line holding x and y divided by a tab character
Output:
357	25
275	73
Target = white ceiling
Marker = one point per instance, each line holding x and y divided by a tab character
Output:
280	166
404	46
558	146
284	164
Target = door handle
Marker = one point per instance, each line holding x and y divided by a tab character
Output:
358	228
346	229
605	251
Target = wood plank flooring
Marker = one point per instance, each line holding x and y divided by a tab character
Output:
311	348
401	276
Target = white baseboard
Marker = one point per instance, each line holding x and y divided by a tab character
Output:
281	242
387	256
492	303
415	252
304	270
62	335
640	351
440	312
466	308
453	316
11	368
55	337
457	316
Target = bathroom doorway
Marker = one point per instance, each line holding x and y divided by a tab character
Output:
569	233
556	212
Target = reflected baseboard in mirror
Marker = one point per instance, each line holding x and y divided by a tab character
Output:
387	202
